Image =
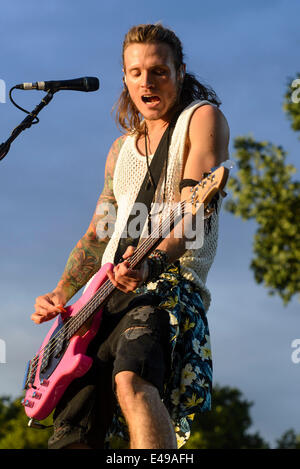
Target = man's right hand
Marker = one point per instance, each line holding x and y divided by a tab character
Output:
48	306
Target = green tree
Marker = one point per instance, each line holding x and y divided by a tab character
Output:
14	430
226	425
263	190
289	440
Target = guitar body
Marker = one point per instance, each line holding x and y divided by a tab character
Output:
70	361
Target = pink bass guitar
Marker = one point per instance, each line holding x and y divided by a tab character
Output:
62	357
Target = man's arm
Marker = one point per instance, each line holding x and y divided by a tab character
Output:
207	146
85	259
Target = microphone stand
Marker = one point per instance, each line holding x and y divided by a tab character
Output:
25	124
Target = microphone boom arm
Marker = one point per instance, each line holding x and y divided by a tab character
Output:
25	124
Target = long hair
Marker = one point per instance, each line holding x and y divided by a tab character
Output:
127	115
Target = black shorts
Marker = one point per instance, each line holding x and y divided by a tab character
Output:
138	341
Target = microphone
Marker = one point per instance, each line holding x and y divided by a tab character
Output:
77	84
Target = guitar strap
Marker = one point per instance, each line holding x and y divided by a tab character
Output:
147	190
119	301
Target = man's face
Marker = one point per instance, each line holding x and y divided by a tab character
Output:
151	78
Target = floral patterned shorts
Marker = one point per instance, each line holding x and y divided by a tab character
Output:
188	387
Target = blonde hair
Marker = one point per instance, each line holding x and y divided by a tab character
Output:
127	115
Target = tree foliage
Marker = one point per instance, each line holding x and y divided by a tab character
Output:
289	440
14	430
227	425
263	189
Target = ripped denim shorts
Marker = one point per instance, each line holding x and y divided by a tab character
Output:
136	340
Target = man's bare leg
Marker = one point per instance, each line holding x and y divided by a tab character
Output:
149	423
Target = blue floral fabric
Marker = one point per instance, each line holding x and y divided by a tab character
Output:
188	388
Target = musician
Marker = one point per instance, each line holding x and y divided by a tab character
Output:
152	368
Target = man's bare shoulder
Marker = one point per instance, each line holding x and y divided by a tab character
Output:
209	116
209	132
118	143
113	154
116	146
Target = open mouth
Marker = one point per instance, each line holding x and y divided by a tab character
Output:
150	99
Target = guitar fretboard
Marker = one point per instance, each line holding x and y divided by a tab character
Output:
142	250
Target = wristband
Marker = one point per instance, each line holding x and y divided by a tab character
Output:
158	263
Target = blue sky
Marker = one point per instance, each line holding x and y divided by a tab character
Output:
53	174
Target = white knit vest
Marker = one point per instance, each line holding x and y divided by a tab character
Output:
129	174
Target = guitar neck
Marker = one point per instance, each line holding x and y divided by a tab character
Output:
161	232
143	249
202	194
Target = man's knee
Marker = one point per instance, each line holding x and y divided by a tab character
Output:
130	388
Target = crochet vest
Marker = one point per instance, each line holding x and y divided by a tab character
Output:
129	174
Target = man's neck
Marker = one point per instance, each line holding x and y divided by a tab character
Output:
156	126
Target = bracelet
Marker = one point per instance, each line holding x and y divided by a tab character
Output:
158	262
187	183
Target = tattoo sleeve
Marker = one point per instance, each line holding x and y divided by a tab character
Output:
85	259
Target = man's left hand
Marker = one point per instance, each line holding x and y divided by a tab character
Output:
126	279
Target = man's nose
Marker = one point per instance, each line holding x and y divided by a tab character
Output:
147	80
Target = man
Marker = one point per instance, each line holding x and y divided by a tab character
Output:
157	352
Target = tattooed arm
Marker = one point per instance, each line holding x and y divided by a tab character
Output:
85	259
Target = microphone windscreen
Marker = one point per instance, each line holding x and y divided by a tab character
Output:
91	83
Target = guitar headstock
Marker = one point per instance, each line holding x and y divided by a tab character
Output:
207	188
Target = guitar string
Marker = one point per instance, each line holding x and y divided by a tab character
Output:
132	261
86	310
92	303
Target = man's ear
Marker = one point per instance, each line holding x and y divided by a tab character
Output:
124	77
182	72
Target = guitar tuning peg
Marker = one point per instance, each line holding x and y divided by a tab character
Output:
229	164
208	212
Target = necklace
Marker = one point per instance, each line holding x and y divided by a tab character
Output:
150	177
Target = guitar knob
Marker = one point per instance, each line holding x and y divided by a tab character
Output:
44	382
36	395
27	403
